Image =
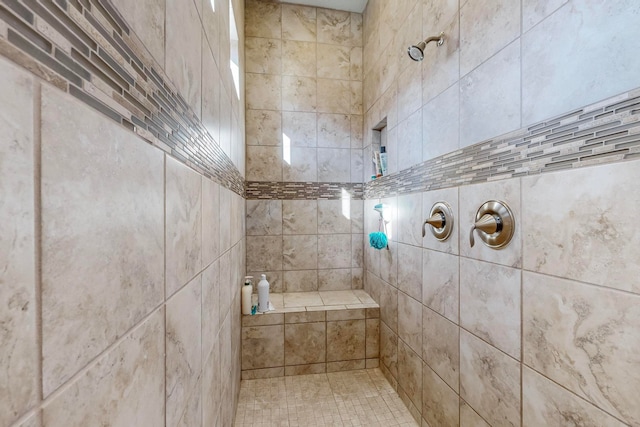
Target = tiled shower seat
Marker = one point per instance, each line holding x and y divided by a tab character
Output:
311	332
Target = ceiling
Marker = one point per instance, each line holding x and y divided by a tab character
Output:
350	5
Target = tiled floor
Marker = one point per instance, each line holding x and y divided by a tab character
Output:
352	398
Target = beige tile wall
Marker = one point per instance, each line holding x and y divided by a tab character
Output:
119	262
545	329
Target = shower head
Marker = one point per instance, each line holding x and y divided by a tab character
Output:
380	207
416	52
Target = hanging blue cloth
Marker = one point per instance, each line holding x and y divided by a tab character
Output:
378	240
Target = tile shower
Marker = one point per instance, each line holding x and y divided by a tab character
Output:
125	200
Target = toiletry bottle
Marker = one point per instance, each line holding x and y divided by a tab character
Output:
263	294
383	160
246	292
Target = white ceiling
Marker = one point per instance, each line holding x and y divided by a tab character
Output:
350	5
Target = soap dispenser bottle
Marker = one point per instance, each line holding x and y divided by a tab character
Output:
263	294
246	292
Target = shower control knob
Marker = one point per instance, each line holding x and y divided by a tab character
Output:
495	225
441	221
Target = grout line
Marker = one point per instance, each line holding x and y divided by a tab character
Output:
37	194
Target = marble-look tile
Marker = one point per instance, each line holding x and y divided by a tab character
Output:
299	93
346	340
534	11
488	106
263	91
372	345
410	219
484	31
301	165
299	58
593	244
333	62
440	67
355	63
192	415
356	212
440	133
489	381
300	252
546	403
440	346
469	417
264	127
225	219
263	19
450	197
264	217
264	253
334	96
102	240
332	218
314	368
305	343
440	404
355	97
184	34
409	90
18	349
334	251
410	373
584	338
389	349
357	131
147	19
334	26
298	23
334	165
304	299
210	306
410	321
305	317
387	262
300	280
490	304
124	387
183	225
183	348
211	24
334	279
263	56
357	166
474	196
225	288
410	270
357	27
299	216
210	221
299	128
334	130
570	33
389	306
357	278
263	163
357	251
212	389
262	347
339	297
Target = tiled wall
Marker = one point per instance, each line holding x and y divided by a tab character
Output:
118	259
304	146
543	331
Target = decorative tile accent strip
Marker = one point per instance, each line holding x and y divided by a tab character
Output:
605	132
302	190
84	47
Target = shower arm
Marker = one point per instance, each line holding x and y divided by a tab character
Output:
439	38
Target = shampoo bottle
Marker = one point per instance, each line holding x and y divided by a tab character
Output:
263	294
383	160
246	292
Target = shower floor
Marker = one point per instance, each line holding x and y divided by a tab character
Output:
351	398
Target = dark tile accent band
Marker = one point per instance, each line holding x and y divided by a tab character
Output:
108	68
302	190
605	132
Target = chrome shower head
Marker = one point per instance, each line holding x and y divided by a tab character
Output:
416	52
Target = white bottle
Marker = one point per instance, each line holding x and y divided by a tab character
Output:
263	294
246	292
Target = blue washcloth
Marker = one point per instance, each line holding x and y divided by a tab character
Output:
378	240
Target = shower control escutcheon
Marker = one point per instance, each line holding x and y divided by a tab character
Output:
441	221
495	225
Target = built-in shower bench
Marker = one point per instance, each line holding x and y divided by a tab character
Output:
311	332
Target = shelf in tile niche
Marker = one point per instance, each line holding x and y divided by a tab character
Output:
310	333
379	147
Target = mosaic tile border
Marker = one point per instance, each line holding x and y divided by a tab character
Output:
85	48
604	132
302	190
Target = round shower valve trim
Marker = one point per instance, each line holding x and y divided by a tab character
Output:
441	221
495	224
